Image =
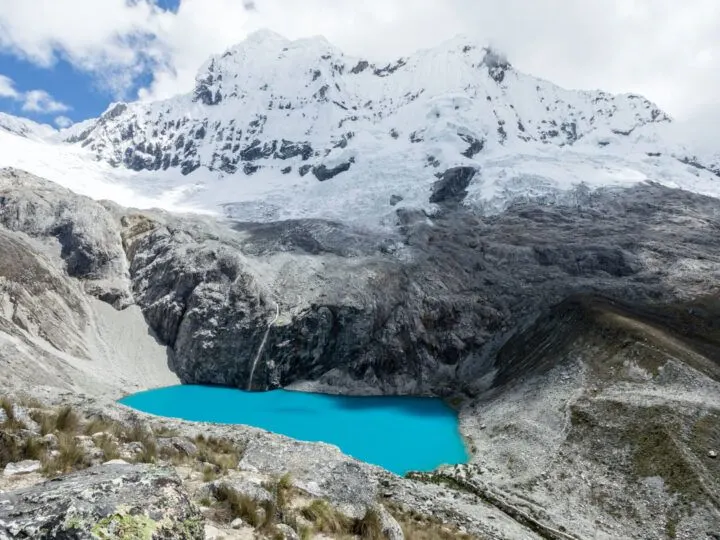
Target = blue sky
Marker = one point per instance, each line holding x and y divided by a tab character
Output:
77	94
67	85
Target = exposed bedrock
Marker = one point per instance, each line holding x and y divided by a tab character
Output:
84	232
423	312
421	309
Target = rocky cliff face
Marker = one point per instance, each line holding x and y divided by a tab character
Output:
422	311
62	268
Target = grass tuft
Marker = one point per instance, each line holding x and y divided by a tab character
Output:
370	526
149	452
209	473
71	457
11	423
67	420
325	518
33	449
222	453
102	425
109	448
422	527
46	421
163	431
240	506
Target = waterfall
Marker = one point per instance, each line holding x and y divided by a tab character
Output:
262	345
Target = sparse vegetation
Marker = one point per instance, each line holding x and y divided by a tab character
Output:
46	421
370	526
97	424
209	473
148	453
67	420
222	453
219	455
164	431
71	456
109	447
11	423
325	518
657	454
235	505
33	449
280	489
419	526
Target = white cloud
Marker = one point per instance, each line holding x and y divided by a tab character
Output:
39	101
666	50
7	87
63	122
97	36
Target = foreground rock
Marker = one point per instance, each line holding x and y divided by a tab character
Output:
110	501
22	467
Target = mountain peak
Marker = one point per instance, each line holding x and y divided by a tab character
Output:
280	109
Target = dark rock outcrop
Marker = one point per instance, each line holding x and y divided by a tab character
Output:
289	149
475	146
451	188
322	172
107	501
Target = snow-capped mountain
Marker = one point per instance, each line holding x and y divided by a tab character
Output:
273	103
23	127
271	122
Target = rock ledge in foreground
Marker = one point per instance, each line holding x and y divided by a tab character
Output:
110	501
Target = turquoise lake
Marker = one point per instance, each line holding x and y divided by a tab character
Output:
400	434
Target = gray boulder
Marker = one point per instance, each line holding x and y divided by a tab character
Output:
243	487
111	501
177	444
22	467
391	529
286	532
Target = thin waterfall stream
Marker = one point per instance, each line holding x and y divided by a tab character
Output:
262	345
